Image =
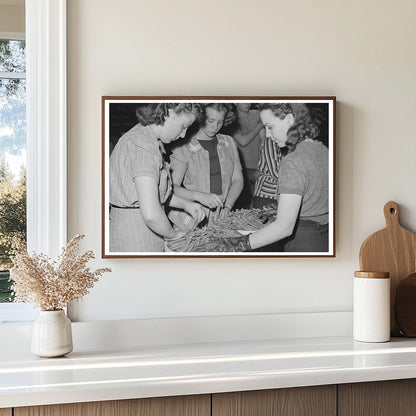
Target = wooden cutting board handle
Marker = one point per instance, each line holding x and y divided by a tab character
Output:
391	214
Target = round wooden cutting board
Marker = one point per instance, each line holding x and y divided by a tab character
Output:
392	250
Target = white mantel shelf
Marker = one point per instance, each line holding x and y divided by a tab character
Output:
151	371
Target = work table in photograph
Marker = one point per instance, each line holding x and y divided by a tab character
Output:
199	368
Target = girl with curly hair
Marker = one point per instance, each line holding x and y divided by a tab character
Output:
302	212
140	182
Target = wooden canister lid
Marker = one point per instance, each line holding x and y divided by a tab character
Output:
372	275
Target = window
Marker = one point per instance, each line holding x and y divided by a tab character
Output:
12	166
12	154
46	135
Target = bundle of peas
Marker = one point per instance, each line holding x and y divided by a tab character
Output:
209	238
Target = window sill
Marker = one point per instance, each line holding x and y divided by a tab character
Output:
16	313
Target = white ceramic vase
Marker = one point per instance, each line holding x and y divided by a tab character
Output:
52	334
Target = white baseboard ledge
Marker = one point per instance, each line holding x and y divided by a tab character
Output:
126	334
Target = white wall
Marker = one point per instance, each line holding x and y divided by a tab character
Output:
12	17
363	52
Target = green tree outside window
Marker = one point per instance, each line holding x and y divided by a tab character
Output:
12	148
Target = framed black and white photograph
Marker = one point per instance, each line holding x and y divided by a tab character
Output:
218	176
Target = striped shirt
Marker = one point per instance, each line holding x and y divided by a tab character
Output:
267	181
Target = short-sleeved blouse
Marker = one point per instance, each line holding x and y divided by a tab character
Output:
193	159
137	153
304	172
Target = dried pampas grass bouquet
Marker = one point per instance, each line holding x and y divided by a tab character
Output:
53	285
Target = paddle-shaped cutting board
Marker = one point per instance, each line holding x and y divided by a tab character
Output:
392	250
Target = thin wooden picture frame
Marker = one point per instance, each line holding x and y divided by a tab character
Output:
121	119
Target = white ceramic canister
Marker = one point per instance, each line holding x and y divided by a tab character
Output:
371	309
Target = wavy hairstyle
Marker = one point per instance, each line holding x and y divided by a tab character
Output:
304	126
157	113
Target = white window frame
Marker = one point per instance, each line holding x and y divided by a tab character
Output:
46	125
46	133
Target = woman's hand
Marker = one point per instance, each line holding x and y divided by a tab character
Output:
178	241
195	210
233	244
211	201
224	213
239	243
220	213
